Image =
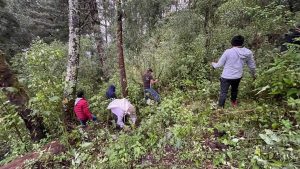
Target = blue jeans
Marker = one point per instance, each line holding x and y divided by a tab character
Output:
153	93
83	122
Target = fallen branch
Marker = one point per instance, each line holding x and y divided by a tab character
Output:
53	148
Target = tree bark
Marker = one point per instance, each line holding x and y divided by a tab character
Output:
73	61
99	35
18	97
123	79
207	34
105	9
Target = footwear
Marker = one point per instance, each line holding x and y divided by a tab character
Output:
234	103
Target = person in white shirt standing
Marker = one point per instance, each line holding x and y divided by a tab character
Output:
233	60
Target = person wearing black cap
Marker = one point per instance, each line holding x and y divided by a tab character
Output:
148	81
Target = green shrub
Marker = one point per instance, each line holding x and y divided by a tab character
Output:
281	78
42	69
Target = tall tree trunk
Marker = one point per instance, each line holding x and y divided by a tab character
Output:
73	61
123	79
99	35
207	34
105	9
18	97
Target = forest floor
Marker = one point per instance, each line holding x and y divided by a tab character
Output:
208	139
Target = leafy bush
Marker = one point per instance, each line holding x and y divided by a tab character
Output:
42	69
283	76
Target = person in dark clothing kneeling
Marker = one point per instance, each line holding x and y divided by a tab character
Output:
233	60
111	92
82	111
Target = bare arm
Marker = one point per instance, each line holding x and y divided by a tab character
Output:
152	81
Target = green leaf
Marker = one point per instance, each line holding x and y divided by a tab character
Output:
235	140
270	137
11	89
54	98
292	91
277	164
266	138
229	154
86	144
257	151
287	124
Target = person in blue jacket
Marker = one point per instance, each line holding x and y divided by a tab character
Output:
111	92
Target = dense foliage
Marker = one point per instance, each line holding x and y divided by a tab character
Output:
184	131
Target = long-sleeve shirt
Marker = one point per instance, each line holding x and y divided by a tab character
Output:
82	109
233	60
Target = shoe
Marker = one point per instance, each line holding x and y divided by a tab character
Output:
234	103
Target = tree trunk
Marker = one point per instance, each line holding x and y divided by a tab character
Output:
207	34
105	9
73	61
99	37
18	97
123	79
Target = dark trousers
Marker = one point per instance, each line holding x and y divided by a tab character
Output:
83	122
225	83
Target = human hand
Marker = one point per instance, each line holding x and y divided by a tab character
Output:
212	63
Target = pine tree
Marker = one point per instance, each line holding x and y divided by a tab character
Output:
38	18
8	30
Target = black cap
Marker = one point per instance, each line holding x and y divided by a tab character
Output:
149	70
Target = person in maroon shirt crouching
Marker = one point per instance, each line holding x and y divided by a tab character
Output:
81	109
